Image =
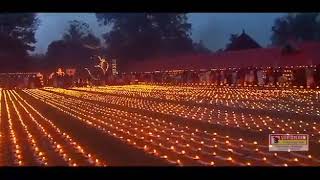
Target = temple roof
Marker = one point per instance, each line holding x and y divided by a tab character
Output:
307	54
244	41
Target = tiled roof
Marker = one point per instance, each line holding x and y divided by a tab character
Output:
308	54
244	41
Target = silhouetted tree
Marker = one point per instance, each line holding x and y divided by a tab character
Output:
140	36
75	48
220	50
299	26
17	37
76	31
201	48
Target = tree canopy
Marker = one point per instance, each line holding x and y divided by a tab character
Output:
140	36
75	48
17	38
201	48
299	26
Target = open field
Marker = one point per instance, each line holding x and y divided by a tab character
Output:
147	125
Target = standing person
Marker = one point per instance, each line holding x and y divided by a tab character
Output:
201	77
240	77
213	77
255	81
67	81
19	82
299	77
207	74
195	77
55	81
310	80
317	75
247	77
277	75
218	77
32	81
260	75
270	79
251	77
37	82
59	81
234	77
222	77
184	76
228	77
25	81
151	77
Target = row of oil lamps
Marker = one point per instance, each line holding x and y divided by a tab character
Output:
212	116
265	99
133	129
20	126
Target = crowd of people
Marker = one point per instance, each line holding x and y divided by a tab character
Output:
306	76
21	80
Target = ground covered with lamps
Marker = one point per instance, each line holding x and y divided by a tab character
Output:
154	125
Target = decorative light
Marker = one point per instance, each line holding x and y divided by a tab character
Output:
160	134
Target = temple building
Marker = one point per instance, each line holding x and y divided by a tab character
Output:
272	66
307	54
244	41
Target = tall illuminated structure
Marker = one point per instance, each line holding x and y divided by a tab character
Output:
114	67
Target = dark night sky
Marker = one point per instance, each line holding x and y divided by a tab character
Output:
213	28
